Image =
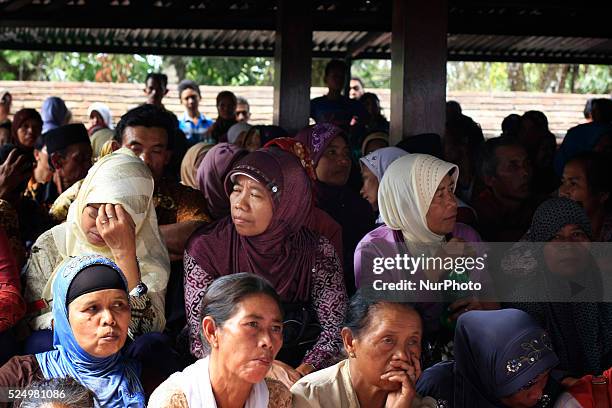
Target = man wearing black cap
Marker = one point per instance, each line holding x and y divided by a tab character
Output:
69	153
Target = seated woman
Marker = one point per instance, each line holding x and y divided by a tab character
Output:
241	331
373	167
586	180
373	142
558	282
503	358
91	314
271	200
383	342
332	160
113	215
191	162
418	206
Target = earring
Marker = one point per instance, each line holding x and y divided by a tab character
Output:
352	355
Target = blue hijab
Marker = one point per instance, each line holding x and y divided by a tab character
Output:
497	352
113	379
53	113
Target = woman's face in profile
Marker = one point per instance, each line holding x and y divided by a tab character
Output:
249	340
391	342
567	253
528	396
442	213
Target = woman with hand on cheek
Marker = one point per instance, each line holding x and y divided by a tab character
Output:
383	342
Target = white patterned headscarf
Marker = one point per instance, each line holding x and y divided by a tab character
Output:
119	178
406	191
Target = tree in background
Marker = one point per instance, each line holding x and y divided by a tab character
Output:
461	76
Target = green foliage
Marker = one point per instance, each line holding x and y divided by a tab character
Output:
461	76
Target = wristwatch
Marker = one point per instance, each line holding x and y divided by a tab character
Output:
139	290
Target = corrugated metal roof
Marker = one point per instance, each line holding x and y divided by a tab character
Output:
488	30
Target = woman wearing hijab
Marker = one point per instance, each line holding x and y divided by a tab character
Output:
373	142
26	129
373	167
271	200
260	135
547	267
503	358
331	157
113	215
100	117
319	221
239	356
418	207
54	113
237	133
191	163
211	177
91	314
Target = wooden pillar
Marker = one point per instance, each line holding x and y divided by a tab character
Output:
292	64
418	68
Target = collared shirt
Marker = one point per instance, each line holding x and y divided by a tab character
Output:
194	132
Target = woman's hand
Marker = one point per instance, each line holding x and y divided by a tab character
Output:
406	374
117	229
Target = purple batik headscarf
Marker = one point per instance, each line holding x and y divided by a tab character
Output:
211	177
318	137
285	252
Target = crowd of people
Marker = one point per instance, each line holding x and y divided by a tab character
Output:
189	262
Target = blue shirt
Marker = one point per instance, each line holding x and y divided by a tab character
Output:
194	132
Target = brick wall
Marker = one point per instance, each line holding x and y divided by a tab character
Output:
487	108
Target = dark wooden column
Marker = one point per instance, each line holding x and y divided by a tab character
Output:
418	70
292	64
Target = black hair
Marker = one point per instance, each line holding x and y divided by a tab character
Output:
358	80
335	64
73	394
359	313
488	156
158	76
224	294
538	118
511	125
226	94
148	115
188	84
465	132
601	110
597	169
588	108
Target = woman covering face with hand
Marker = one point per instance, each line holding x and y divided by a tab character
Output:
113	215
91	315
383	342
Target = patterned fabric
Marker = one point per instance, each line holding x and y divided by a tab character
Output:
9	222
327	297
12	306
554	214
194	132
176	203
318	137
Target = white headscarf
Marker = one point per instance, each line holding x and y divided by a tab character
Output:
195	384
104	111
119	178
406	191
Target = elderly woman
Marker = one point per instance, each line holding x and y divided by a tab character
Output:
91	314
418	206
503	358
383	343
332	161
27	127
271	200
113	215
373	167
546	269
241	330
